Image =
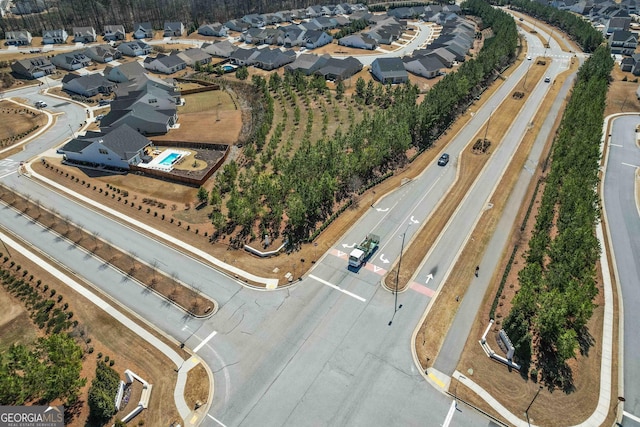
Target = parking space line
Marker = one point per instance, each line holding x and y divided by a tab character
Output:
338	288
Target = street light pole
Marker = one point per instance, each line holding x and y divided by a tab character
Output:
526	411
397	307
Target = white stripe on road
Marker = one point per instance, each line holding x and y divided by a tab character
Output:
199	346
214	419
631	416
615	145
338	288
627	164
452	410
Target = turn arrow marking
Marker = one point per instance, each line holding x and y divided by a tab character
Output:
382	258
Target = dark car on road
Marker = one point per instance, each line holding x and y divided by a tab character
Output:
443	160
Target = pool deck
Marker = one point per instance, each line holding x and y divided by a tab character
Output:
156	164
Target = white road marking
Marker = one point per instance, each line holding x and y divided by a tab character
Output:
631	416
338	288
199	346
452	410
627	164
615	145
214	419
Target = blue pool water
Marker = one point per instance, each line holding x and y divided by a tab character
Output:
227	68
167	161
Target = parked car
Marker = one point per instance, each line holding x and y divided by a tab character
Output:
99	117
547	79
443	160
103	102
40	104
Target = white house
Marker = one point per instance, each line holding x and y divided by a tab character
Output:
142	30
84	34
134	48
54	36
18	38
167	64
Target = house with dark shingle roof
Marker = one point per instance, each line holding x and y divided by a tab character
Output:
167	64
18	38
33	68
173	29
313	39
84	34
270	59
428	66
222	49
237	25
389	70
135	48
118	148
307	63
194	56
216	30
71	61
337	69
358	41
244	57
114	32
88	85
623	42
142	30
54	36
124	72
102	53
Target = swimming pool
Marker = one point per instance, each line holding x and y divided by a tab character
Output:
170	159
227	68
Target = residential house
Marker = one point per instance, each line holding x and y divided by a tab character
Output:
627	64
194	56
33	68
102	53
292	35
142	30
18	38
428	66
216	29
342	9
270	18
114	32
71	61
358	41
314	11
314	39
341	21
120	147
125	72
260	36
389	70
167	64
88	85
237	25
361	15
222	49
54	36
284	15
324	23
617	24
445	56
84	34
254	20
307	63
623	42
135	48
337	69
270	59
26	7
244	57
173	29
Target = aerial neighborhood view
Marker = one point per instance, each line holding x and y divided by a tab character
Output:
242	213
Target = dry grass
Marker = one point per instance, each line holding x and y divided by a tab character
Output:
15	325
196	390
15	119
621	96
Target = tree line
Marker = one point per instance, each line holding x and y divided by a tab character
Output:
580	30
306	186
558	282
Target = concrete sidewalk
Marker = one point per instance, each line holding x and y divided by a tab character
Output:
190	417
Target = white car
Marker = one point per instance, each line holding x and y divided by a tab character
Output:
40	104
529	58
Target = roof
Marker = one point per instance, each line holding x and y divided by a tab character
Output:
144	25
123	140
87	81
129	69
166	60
173	26
389	65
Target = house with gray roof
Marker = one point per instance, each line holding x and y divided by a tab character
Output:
324	23
135	48
339	69
194	56
270	18
314	39
166	64
54	36
445	56
222	49
244	57
26	7
237	25
120	147
114	32
173	29
358	41
18	38
389	70
254	20
342	9
623	42
71	61
33	68
292	35
124	72
102	53
617	24
216	30
270	59
84	34
307	63
428	66
284	15
88	85
142	30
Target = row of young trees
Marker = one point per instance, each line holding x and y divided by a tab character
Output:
581	30
558	282
305	186
102	393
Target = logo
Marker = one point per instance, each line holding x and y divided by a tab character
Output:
31	416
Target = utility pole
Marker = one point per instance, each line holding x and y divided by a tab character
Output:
397	307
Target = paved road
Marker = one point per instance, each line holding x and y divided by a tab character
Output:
624	226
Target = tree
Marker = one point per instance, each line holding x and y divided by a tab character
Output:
202	195
340	89
102	393
360	88
242	73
